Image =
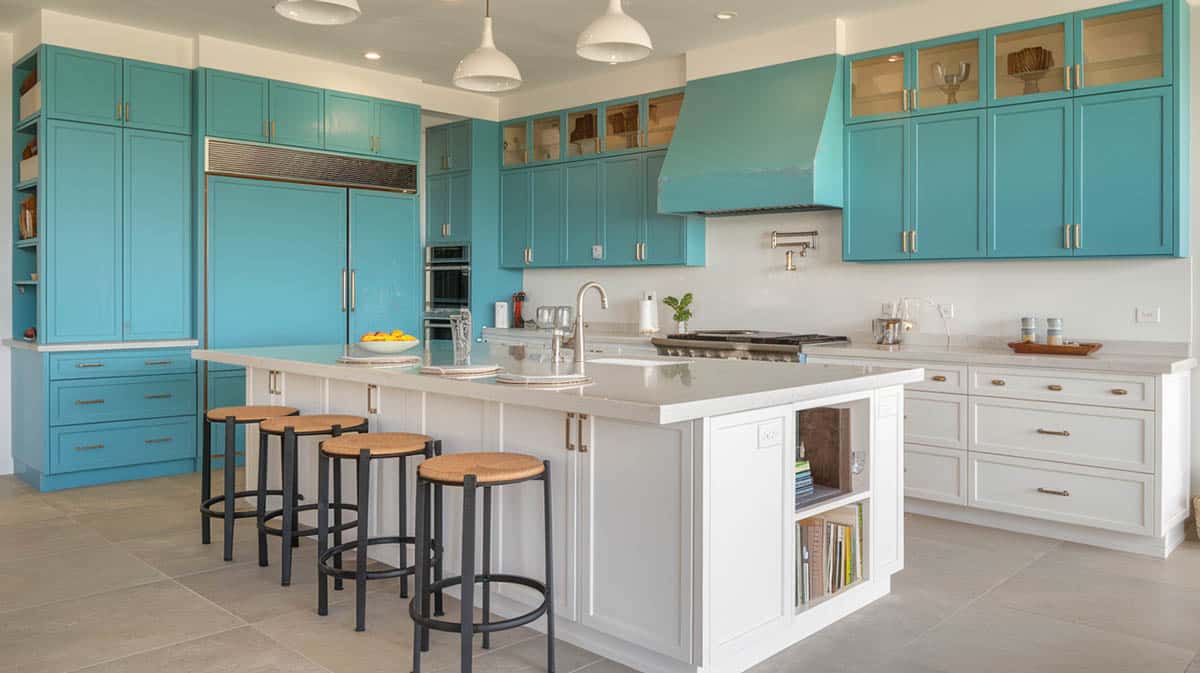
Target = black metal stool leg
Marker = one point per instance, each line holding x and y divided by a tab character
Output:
487	562
547	506
467	608
230	486
295	491
261	504
337	520
206	483
439	534
289	518
360	554
322	530
403	488
421	567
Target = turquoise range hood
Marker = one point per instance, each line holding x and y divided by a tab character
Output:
762	140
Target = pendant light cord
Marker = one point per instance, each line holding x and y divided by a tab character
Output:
487	8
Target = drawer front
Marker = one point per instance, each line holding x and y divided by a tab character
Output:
121	399
931	473
1087	496
1122	439
936	420
90	447
939	378
1108	390
105	364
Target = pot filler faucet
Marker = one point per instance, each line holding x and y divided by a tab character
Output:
579	347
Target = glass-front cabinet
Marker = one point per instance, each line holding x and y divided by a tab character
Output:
1122	45
583	132
1031	61
623	126
878	85
515	147
547	138
946	74
662	115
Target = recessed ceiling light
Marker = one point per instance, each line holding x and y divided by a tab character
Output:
372	56
893	58
726	15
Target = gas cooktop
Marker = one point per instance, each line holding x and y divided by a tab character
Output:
758	337
742	344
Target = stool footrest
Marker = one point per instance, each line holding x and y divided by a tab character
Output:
325	566
307	531
414	609
207	510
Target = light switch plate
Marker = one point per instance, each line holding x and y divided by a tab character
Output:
597	252
1148	314
770	434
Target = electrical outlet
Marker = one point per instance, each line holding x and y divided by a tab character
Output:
1148	314
770	434
597	252
946	311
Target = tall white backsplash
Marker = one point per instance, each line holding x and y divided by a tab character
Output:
744	285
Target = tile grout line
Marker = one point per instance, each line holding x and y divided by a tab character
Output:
264	634
156	648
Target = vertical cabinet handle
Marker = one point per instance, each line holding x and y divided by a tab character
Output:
1078	236
272	129
583	447
913	240
344	274
913	94
570	446
1078	75
372	398
267	129
904	100
353	290
126	110
1067	78
904	240
1067	236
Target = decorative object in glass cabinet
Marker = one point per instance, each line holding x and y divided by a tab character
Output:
877	86
547	139
1124	47
622	127
662	114
1031	61
948	74
516	143
583	128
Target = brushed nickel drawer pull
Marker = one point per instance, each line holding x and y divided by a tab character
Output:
939	378
159	396
160	440
1055	387
1119	391
89	365
570	446
157	363
583	447
89	447
83	402
998	382
1050	491
1056	433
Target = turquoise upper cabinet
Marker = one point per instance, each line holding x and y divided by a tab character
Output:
877	87
447	208
157	97
1124	150
946	74
82	209
349	123
459	225
548	136
662	114
623	126
297	115
949	186
397	131
546	224
1031	61
157	239
1030	162
82	86
1123	46
448	148
623	209
582	211
514	144
515	212
237	106
664	240
876	216
385	256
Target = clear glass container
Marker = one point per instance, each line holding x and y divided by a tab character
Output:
948	74
547	139
516	144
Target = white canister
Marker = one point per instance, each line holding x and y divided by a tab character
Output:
501	319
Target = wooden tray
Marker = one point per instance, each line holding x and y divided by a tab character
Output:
1046	349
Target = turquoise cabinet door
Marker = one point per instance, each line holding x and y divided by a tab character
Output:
1029	180
515	212
82	211
460	208
949	186
437	209
1124	149
398	131
82	86
435	150
1031	61
157	236
226	388
348	122
937	82
1125	46
385	262
159	97
582	211
878	85
875	219
236	106
623	207
246	306
458	146
665	239
546	227
297	115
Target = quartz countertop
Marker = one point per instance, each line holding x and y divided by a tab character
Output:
1001	355
594	334
100	346
664	390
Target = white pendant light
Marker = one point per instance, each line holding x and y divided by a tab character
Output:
319	12
487	69
613	38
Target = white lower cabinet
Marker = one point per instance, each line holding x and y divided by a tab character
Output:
934	473
935	419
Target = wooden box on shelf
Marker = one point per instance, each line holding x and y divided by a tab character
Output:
31	101
27	218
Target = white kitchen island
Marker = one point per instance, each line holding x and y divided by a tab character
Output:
674	520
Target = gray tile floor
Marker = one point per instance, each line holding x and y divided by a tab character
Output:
113	579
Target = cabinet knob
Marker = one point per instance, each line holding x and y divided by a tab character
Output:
998	382
1119	391
1055	387
939	378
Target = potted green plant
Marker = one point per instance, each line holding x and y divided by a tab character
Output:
683	311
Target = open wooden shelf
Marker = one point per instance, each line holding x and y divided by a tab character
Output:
27	185
29	124
833	502
26	243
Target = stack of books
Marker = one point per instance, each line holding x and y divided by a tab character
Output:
804	482
829	553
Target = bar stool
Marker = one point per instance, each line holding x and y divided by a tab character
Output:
288	429
471	471
363	449
231	417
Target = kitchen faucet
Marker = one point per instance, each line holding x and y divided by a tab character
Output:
579	347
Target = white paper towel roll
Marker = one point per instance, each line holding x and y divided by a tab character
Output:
648	316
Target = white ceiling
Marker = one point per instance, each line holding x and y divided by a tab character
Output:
426	38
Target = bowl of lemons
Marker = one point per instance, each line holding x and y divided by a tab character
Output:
387	343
